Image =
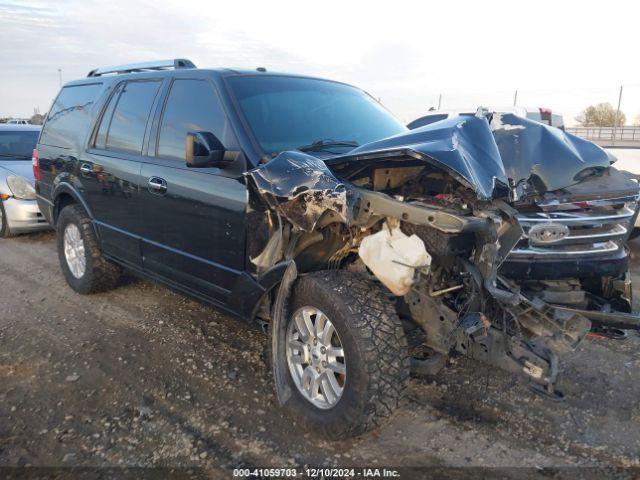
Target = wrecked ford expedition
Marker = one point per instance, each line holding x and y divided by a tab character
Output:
366	251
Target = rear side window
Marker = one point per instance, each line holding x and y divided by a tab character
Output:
70	115
101	137
192	106
124	122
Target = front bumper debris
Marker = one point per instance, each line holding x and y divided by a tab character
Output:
620	320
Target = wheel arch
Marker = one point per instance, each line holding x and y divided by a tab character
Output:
249	292
65	194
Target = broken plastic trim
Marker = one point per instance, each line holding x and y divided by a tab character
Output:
301	188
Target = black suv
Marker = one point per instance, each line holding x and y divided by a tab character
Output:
303	204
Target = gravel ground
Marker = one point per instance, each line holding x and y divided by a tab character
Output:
141	376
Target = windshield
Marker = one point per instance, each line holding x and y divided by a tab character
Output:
17	145
287	113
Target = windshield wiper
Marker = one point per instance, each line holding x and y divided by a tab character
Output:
8	155
322	144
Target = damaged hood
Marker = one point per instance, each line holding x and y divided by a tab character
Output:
490	156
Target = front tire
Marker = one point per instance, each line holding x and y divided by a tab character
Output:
83	265
346	354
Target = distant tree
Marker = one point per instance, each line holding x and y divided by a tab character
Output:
601	115
36	119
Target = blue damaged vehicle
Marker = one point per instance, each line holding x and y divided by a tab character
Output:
364	249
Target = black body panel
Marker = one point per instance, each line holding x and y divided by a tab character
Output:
111	188
194	233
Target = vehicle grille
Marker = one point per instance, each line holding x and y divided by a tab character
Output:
592	227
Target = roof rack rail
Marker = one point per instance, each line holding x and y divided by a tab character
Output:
143	67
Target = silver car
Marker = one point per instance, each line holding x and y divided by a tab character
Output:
19	212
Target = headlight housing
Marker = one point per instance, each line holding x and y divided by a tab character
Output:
21	188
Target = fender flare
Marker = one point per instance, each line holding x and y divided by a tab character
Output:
248	292
64	187
278	334
67	188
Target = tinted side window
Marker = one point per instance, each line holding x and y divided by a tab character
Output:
101	136
130	116
192	106
69	117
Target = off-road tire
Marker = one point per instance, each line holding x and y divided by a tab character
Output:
100	274
5	232
376	353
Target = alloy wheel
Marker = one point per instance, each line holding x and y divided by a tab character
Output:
315	357
74	250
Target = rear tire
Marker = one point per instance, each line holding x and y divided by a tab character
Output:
375	356
83	265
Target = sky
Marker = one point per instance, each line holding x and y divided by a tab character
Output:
562	55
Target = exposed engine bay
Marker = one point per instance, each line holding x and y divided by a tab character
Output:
441	217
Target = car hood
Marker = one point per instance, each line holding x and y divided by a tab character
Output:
491	155
505	156
21	168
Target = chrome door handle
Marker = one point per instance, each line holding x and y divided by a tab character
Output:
86	168
157	185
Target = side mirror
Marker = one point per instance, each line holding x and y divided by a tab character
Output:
203	149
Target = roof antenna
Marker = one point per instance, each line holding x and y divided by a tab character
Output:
261	69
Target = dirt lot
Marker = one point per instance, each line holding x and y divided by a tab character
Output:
142	376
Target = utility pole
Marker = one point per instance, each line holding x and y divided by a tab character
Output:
615	120
60	76
515	98
439	101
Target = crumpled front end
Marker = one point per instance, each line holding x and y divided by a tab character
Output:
464	190
301	188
